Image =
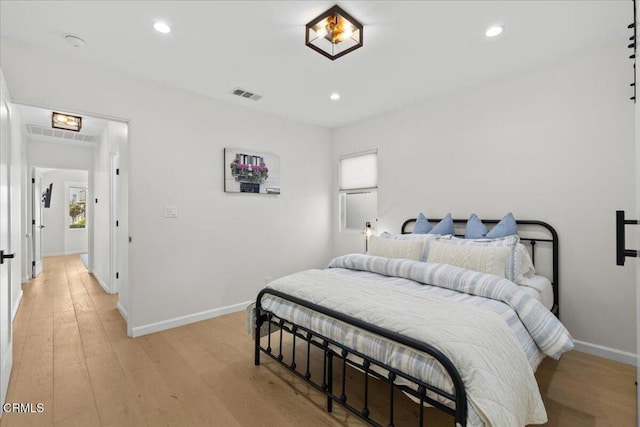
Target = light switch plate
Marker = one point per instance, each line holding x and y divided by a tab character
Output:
171	212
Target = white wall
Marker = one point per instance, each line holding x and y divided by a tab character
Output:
59	156
555	143
219	250
57	237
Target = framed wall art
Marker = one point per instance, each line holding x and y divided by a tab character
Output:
246	171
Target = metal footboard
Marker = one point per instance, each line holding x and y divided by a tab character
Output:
338	356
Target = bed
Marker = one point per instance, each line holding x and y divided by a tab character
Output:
462	341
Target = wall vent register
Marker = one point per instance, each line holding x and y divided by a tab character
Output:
59	133
245	94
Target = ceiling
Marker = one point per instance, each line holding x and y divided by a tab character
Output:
412	50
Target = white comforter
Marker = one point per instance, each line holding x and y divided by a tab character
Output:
498	379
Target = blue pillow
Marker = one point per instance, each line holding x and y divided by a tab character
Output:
445	226
506	227
421	226
475	229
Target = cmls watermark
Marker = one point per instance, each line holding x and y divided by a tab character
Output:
23	408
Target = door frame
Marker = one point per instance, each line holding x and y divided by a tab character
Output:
6	317
36	229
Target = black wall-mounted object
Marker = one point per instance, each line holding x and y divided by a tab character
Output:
4	256
47	196
621	252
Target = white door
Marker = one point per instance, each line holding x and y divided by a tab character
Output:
114	221
5	252
36	223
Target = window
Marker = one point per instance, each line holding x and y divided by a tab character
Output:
77	205
358	190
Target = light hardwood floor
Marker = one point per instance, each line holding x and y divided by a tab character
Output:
71	353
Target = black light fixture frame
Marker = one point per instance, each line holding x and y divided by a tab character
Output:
334	11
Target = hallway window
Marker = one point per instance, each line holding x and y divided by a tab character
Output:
77	207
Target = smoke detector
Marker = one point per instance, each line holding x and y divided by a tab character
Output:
74	41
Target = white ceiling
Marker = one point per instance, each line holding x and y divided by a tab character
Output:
412	50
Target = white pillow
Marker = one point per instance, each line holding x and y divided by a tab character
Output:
509	242
485	259
524	265
421	237
391	248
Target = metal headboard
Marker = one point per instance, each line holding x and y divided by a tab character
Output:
553	239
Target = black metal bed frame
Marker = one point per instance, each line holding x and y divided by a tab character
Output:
454	404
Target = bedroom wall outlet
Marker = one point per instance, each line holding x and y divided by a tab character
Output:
267	280
171	212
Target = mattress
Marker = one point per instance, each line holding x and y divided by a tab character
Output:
540	288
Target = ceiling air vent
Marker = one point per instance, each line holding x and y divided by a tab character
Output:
57	133
245	94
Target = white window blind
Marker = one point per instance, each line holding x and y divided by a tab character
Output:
359	172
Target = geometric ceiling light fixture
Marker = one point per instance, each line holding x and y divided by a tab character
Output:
66	121
334	33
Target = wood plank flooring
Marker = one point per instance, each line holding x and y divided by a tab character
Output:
71	353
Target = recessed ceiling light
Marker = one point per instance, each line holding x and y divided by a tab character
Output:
493	31
335	96
162	27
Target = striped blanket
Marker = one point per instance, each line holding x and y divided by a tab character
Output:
483	346
545	329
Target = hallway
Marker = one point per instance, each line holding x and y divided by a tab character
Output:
61	344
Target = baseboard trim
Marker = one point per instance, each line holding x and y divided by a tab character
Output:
14	311
25	279
122	311
102	283
185	320
607	352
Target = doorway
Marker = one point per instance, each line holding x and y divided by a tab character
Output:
64	206
59	212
